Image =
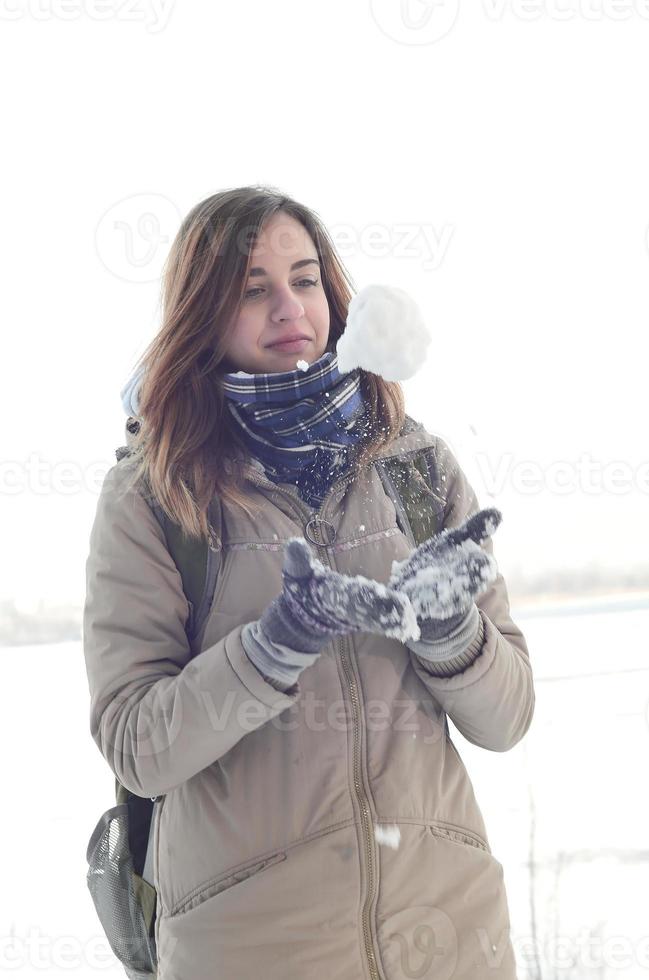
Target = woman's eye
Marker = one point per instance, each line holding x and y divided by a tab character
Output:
307	282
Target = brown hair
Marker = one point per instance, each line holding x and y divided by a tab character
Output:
185	429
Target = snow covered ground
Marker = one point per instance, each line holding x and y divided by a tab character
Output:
573	794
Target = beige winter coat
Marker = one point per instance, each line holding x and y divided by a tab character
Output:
267	861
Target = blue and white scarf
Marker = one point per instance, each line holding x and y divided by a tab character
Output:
303	426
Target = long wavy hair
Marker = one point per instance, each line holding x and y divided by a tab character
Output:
185	431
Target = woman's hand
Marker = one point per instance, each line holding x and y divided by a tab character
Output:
327	602
445	573
315	604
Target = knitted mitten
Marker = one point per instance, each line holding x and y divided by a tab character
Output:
442	577
315	604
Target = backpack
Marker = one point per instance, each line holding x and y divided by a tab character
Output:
119	853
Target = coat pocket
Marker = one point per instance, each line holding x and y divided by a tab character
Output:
459	835
224	882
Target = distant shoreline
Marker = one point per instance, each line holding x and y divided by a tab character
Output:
57	624
558	603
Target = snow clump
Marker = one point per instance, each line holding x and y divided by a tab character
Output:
385	334
388	834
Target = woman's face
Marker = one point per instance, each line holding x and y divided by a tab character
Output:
280	300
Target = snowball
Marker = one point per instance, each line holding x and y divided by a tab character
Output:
388	834
385	333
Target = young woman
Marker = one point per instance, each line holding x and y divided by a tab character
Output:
312	707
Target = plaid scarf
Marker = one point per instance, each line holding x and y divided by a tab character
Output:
302	425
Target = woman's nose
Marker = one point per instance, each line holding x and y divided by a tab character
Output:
287	306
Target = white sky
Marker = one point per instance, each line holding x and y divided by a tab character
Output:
492	161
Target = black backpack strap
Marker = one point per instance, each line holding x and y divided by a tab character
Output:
190	556
197	559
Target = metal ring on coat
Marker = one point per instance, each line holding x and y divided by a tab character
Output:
330	537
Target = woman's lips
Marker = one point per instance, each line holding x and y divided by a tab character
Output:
290	346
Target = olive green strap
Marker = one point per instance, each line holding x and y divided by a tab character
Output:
412	482
190	556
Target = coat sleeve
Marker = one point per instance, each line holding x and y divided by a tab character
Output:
157	714
492	700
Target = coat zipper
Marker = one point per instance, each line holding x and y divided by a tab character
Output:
260	480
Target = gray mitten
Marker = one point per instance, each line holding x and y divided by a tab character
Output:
443	576
315	604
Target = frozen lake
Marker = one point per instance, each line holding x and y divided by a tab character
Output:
572	797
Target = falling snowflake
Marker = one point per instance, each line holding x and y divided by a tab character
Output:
388	834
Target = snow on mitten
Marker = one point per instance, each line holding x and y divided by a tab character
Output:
315	604
445	573
322	602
